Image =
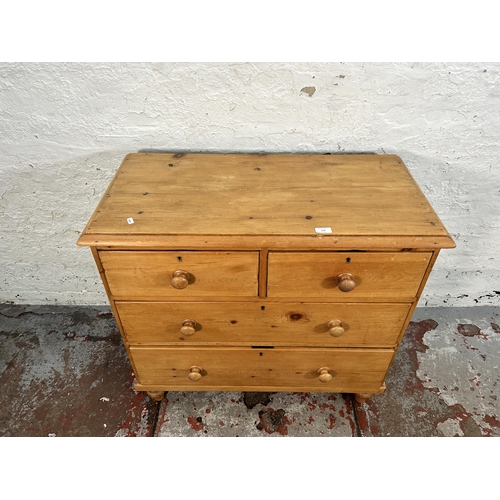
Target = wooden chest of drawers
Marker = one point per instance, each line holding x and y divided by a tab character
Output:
245	272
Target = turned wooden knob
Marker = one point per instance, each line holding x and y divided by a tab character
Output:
335	328
346	282
194	373
324	374
188	327
180	279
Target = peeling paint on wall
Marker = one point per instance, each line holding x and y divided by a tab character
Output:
308	90
65	128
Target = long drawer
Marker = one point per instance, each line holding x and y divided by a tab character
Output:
278	369
257	323
347	276
165	275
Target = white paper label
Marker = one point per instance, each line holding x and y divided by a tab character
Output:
130	220
323	230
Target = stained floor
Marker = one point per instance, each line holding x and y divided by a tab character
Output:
64	372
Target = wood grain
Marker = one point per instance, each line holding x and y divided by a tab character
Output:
219	279
378	276
149	274
355	195
352	370
256	242
262	323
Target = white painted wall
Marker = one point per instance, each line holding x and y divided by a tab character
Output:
64	129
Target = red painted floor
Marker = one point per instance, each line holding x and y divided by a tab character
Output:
64	372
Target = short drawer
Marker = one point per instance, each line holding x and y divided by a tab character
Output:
341	370
347	276
270	324
157	275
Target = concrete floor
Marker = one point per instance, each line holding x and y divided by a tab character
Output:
64	372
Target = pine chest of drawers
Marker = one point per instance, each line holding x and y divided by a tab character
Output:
245	272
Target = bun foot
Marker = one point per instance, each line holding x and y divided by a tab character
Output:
156	395
361	397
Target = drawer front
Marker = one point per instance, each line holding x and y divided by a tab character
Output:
374	276
272	324
350	370
157	275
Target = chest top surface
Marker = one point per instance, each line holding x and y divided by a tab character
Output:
264	198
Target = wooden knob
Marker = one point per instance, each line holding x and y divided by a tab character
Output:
346	282
180	279
324	374
335	328
188	327
194	373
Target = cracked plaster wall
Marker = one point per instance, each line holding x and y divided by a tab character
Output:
64	129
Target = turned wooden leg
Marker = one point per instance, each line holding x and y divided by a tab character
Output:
361	397
156	395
